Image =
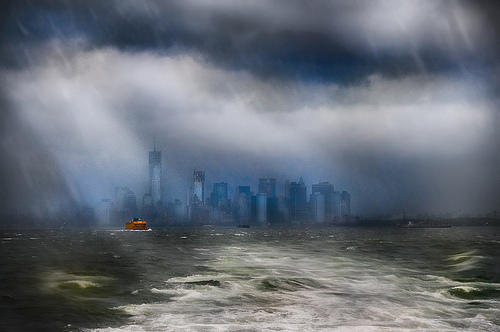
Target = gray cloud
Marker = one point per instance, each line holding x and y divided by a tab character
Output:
336	41
393	101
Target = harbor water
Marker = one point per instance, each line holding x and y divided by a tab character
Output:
256	279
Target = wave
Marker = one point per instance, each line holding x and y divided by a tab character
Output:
465	261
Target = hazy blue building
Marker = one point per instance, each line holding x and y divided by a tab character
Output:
220	193
326	189
242	210
296	194
221	205
104	212
130	204
337	199
198	197
120	193
268	186
155	176
125	204
345	204
261	202
318	207
148	208
177	212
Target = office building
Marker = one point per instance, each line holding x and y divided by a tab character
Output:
125	203
198	197
104	212
296	194
155	174
337	199
345	204
242	204
221	204
318	207
268	186
326	189
261	202
219	194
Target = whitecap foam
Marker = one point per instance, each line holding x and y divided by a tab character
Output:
465	261
338	291
59	280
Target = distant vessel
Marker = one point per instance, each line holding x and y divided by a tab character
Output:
243	226
421	225
136	224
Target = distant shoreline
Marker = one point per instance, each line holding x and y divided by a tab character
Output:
416	223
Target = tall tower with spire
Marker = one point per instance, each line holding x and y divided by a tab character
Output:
199	187
268	186
155	173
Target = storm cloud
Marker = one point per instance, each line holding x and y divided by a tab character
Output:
394	101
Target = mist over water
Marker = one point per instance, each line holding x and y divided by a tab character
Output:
212	279
395	102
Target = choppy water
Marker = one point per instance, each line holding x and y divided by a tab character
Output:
320	279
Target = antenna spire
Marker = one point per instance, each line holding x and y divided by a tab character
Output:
154	142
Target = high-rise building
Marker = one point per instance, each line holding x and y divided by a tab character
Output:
104	212
220	203
130	204
242	204
147	206
219	194
156	184
177	212
198	187
125	203
268	186
345	204
120	193
318	207
337	198
326	189
296	194
155	174
261	206
287	189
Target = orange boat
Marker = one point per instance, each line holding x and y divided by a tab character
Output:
136	224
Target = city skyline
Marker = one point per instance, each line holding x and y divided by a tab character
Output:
262	205
394	101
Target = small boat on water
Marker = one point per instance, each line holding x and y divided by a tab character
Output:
136	224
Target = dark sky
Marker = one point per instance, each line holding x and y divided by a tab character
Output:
394	101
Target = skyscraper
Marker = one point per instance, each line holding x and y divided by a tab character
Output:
220	202
198	187
242	204
105	212
268	186
261	205
219	194
296	194
336	203
125	202
318	207
326	189
155	174
345	204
